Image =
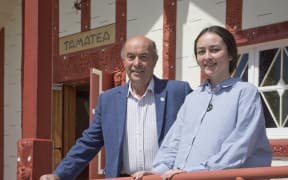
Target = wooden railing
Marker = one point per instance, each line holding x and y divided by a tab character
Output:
229	174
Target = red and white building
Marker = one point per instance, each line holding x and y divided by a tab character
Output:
56	56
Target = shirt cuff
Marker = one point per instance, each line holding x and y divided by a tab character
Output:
161	168
199	168
61	175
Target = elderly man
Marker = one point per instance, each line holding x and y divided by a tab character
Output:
130	120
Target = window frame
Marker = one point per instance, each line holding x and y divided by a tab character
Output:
253	76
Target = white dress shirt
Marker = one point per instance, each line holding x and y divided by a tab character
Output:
141	142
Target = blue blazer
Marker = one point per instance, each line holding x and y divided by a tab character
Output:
108	127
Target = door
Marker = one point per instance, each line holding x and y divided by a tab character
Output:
63	121
72	111
57	110
96	166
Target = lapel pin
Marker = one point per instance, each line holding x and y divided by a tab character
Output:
162	99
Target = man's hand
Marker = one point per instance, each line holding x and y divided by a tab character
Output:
49	177
139	175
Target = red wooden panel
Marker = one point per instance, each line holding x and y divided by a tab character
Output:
169	39
35	147
85	15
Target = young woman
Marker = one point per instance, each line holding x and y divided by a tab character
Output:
221	125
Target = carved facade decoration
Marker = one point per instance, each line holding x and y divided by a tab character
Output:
24	160
279	147
280	150
119	75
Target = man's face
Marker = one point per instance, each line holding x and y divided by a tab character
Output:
139	61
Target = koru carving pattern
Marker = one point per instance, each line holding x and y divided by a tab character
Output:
24	160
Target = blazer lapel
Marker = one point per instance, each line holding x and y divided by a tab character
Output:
160	101
122	104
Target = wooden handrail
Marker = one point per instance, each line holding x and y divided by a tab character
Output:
229	174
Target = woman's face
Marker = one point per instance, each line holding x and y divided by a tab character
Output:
213	58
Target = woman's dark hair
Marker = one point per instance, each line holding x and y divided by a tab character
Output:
228	39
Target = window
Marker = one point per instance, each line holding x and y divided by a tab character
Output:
266	66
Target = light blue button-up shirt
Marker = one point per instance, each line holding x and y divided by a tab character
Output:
217	128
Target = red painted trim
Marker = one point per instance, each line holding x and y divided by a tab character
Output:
44	62
234	14
85	15
55	36
234	11
55	25
169	39
121	23
262	34
30	73
2	102
121	31
253	35
37	69
37	87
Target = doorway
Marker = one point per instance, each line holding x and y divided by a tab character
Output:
73	109
70	114
82	118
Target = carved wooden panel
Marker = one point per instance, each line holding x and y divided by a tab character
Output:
31	164
24	160
279	147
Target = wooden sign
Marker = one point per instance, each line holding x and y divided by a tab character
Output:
89	39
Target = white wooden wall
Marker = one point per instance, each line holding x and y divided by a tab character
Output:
12	90
146	18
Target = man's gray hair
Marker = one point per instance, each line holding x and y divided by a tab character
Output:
153	46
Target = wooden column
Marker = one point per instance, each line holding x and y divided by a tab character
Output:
1	102
35	147
85	15
234	15
169	39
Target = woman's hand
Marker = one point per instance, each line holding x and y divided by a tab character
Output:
169	174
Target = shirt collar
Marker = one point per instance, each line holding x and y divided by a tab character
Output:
224	84
150	88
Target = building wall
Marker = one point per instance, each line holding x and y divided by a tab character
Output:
263	12
69	18
102	13
146	18
12	91
192	17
